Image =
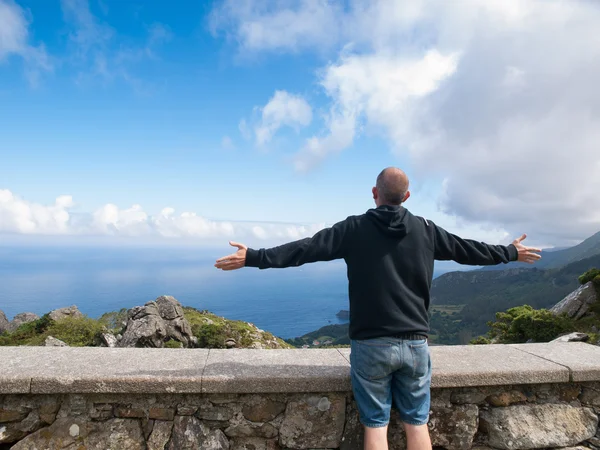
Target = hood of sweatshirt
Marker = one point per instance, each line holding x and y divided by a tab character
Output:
390	220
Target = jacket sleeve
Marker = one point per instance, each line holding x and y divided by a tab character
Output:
326	245
448	246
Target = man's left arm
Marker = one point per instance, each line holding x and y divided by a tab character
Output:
326	245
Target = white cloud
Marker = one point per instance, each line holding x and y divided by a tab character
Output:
14	40
18	216
95	51
283	109
498	97
278	25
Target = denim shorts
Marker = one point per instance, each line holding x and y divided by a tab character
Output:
390	369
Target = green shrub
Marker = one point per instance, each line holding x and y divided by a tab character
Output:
172	343
76	331
590	275
29	333
480	340
523	323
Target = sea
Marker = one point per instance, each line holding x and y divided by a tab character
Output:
287	302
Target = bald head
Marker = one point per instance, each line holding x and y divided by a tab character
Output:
392	187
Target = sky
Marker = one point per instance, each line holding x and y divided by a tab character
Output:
264	121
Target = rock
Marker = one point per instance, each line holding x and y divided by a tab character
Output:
156	322
472	396
506	398
158	413
4	323
578	302
313	421
589	396
68	433
161	433
14	431
21	319
215	440
211	412
63	313
572	337
53	342
262	409
109	339
455	427
353	436
229	343
190	433
240	427
538	426
254	444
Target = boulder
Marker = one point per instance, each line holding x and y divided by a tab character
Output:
156	322
63	313
572	337
537	426
109	340
20	319
578	302
53	342
3	322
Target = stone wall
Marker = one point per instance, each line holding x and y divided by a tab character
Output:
504	397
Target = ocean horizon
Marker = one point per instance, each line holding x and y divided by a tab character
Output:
287	302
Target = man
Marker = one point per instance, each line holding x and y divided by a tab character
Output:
390	255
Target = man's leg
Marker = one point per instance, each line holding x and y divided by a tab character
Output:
376	438
417	437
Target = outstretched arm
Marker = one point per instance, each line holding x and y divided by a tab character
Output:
465	251
326	245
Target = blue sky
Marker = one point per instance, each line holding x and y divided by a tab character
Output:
269	112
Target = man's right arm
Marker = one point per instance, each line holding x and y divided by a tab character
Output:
448	246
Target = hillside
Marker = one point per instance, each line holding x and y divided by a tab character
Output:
555	258
483	293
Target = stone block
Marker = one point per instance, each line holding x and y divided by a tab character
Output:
538	426
130	412
490	365
454	428
56	370
313	421
159	413
252	371
506	398
583	360
261	409
161	433
254	444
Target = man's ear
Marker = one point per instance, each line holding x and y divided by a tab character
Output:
375	193
406	196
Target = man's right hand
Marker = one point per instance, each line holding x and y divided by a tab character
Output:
234	261
527	255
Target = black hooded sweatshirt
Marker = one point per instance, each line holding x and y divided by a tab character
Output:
389	254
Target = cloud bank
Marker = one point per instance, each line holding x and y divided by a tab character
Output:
18	216
498	98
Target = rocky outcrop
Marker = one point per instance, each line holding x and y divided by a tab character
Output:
538	426
4	323
155	323
572	337
578	302
20	319
63	313
53	342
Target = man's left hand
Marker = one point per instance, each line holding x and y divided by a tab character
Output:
234	261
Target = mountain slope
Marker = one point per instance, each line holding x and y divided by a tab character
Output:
486	292
557	258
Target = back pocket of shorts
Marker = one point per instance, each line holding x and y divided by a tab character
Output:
370	361
420	359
